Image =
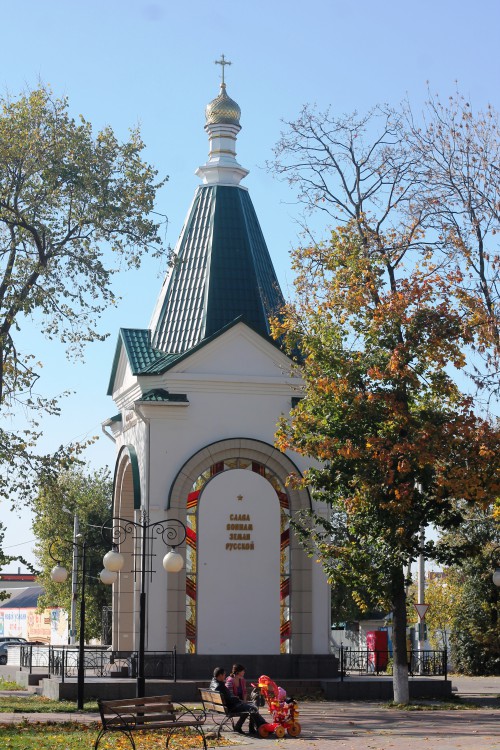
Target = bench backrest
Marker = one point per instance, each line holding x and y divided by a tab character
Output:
140	711
213	701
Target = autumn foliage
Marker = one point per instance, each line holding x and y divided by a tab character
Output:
397	319
397	440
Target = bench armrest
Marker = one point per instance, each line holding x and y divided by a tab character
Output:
198	715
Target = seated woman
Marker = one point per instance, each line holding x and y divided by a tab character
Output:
235	683
234	702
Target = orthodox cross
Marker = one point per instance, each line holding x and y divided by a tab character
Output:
222	62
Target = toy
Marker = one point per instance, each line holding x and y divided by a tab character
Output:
283	710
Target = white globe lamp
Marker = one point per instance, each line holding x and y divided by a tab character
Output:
113	561
173	562
58	573
496	577
108	576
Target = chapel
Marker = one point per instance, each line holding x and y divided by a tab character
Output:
198	395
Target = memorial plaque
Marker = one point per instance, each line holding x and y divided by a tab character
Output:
238	565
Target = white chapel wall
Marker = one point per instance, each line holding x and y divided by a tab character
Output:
242	407
238	565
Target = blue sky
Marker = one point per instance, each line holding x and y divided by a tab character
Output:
123	62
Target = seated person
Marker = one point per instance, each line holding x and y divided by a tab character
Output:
235	683
235	705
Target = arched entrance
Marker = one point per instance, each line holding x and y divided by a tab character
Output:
126	500
206	491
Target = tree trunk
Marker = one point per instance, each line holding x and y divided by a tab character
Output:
400	658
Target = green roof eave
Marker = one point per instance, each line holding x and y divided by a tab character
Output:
160	395
140	353
114	366
170	360
144	360
161	365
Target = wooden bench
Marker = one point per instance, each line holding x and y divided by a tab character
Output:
148	714
214	704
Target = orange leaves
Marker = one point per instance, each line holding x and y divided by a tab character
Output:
381	409
328	385
325	448
398	362
349	451
404	466
376	373
488	453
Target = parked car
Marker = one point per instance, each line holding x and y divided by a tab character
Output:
5	642
16	639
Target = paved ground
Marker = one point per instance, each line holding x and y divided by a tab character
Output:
371	726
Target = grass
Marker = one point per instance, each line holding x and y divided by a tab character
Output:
39	704
73	736
9	685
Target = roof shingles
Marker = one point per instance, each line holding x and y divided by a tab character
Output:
223	273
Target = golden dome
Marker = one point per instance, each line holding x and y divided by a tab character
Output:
222	110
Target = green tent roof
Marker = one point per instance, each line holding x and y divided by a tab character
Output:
223	271
222	274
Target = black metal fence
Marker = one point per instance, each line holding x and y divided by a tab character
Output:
33	656
368	661
63	662
106	625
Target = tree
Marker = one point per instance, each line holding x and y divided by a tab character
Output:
429	183
345	609
457	157
472	549
383	327
74	207
396	438
89	497
443	594
475	639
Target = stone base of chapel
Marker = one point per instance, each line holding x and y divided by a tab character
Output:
276	666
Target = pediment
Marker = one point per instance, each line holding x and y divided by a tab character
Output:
240	352
123	377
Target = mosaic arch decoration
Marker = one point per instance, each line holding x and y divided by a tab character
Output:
191	546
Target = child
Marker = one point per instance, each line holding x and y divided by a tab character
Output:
282	697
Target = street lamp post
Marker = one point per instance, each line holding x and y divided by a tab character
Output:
173	533
59	574
496	572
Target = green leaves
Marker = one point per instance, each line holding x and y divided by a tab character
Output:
68	202
74	207
402	296
397	440
89	497
471	550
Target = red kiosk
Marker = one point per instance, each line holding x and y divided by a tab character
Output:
377	645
